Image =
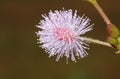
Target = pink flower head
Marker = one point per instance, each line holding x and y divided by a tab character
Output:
59	34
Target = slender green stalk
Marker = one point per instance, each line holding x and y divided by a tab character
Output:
114	32
91	40
100	10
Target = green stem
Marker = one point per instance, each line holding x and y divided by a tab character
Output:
91	40
100	10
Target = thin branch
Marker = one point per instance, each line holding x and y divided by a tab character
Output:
95	41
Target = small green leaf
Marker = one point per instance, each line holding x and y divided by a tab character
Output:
114	38
112	41
113	31
118	46
119	39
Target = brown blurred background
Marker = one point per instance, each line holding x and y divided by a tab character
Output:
21	58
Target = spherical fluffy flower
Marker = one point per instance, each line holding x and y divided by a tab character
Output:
59	34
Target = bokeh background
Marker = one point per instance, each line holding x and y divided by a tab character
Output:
21	58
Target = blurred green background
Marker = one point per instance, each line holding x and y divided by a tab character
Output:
21	58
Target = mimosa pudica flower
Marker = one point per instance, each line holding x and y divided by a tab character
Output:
59	32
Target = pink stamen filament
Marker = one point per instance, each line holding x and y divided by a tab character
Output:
64	34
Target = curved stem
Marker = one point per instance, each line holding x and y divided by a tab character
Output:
102	13
100	10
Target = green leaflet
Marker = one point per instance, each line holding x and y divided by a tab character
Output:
114	38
